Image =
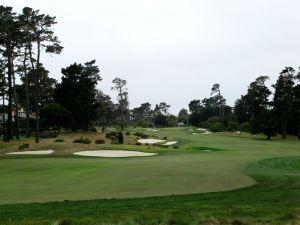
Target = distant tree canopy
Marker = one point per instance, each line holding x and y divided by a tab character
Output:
77	93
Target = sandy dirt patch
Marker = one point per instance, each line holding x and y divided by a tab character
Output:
170	143
113	153
150	141
41	152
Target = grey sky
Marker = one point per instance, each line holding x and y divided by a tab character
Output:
175	50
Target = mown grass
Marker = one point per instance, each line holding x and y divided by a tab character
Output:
275	199
265	203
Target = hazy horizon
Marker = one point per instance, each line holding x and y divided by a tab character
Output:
174	51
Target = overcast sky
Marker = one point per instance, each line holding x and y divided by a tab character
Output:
174	50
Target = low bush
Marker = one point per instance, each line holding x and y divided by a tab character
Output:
175	146
59	140
141	135
23	146
120	137
111	135
138	143
93	129
127	133
99	141
115	136
82	141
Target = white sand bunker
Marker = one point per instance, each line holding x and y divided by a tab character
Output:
41	152
170	143
113	153
150	141
153	130
204	131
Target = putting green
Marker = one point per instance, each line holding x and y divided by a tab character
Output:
57	179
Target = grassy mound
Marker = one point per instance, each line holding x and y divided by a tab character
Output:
280	171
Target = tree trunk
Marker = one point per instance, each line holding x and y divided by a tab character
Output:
26	96
17	121
283	125
3	115
36	93
37	111
9	111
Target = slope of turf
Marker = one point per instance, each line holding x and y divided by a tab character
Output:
260	204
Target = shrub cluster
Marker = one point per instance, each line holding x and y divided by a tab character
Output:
99	141
115	136
59	140
141	135
82	140
23	146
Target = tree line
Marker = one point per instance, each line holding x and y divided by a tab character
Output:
75	103
257	111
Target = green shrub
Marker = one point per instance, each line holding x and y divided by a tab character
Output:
111	135
138	134
176	147
23	146
233	125
127	133
120	137
99	141
165	138
59	140
93	129
138	143
82	141
115	136
246	127
141	135
215	126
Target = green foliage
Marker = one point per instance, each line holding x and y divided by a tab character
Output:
54	116
82	140
284	98
59	140
141	135
233	125
93	129
120	137
77	93
115	136
246	127
127	133
112	135
23	146
99	141
214	124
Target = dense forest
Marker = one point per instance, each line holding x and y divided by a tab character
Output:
40	103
